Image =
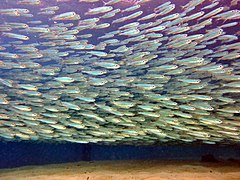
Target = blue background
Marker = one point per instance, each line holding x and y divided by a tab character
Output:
15	154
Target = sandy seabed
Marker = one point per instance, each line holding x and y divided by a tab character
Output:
126	170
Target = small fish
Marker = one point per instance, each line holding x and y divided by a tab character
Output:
22	107
71	105
111	2
107	65
95	72
16	36
130	32
123	104
50	8
99	10
29	2
97	53
132	8
64	79
28	87
212	13
64	16
211	5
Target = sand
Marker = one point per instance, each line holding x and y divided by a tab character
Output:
126	170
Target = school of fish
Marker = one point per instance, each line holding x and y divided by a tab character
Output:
120	72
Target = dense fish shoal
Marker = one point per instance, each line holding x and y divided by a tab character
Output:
120	72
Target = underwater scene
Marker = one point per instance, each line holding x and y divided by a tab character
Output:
120	72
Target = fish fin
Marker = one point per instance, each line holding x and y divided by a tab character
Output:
183	7
104	2
225	20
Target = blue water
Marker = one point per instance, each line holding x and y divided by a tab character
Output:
14	154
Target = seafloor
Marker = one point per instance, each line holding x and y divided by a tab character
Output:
127	170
